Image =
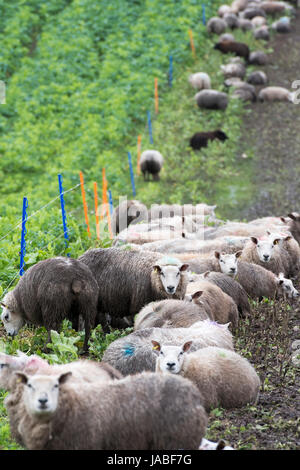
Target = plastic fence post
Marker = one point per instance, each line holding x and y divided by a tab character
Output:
84	204
63	212
150	127
203	14
131	174
96	211
24	231
192	43
111	206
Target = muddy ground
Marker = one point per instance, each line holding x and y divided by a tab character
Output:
272	130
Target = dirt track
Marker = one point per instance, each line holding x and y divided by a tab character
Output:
272	131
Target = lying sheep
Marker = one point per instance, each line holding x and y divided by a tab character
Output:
224	378
231	20
238	48
232	288
219	306
216	25
275	93
170	314
200	139
151	163
125	213
258	58
233	70
266	253
283	25
257	78
262	33
134	353
200	81
49	292
212	99
60	416
140	278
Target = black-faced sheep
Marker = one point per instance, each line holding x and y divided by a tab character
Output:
59	415
275	93
224	378
128	280
151	163
238	48
212	99
49	292
200	81
201	139
257	78
216	25
124	214
134	353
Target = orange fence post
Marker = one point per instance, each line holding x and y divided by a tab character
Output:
84	204
192	43
96	211
156	94
139	139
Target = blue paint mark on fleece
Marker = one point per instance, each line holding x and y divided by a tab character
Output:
128	349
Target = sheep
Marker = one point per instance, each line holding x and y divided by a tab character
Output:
200	81
250	13
212	99
245	25
58	415
244	91
151	162
219	306
266	253
200	139
233	70
209	445
128	280
221	262
238	48
238	5
125	213
294	225
170	314
291	247
231	20
223	9
233	81
232	288
48	292
258	21
286	287
258	58
262	33
224	378
134	353
257	78
283	25
275	93
216	25
273	7
226	37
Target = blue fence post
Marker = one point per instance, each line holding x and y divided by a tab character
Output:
171	71
203	14
24	231
131	174
64	218
111	206
150	127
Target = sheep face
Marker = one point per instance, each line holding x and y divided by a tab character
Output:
228	262
12	321
286	287
265	248
170	358
41	393
170	276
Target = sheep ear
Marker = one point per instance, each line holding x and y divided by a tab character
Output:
276	241
217	254
282	219
238	254
156	346
3	304
157	268
289	237
196	295
184	267
187	346
269	232
206	274
64	377
221	444
254	239
21	378
294	216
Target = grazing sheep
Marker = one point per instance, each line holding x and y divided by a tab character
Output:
238	5
140	278
283	25
232	288
216	25
250	13
257	78
170	314
234	70
275	93
245	25
134	353
244	91
233	81
200	139
126	213
226	37
224	378
219	306
262	33
258	21
231	20
223	9
57	415
273	7
291	247
238	48
200	81
151	163
294	225
49	292
212	99
258	58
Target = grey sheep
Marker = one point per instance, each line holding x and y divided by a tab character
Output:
250	13
224	378
262	33
283	25
124	214
128	280
226	37
231	20
151	163
216	25
143	412
212	99
245	25
258	58
134	353
244	91
257	78
49	292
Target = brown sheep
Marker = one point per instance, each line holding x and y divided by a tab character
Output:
49	292
201	139
238	48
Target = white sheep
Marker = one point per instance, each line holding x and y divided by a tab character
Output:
200	80
151	162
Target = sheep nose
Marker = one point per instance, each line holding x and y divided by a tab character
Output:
266	257
232	270
43	401
171	365
171	289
